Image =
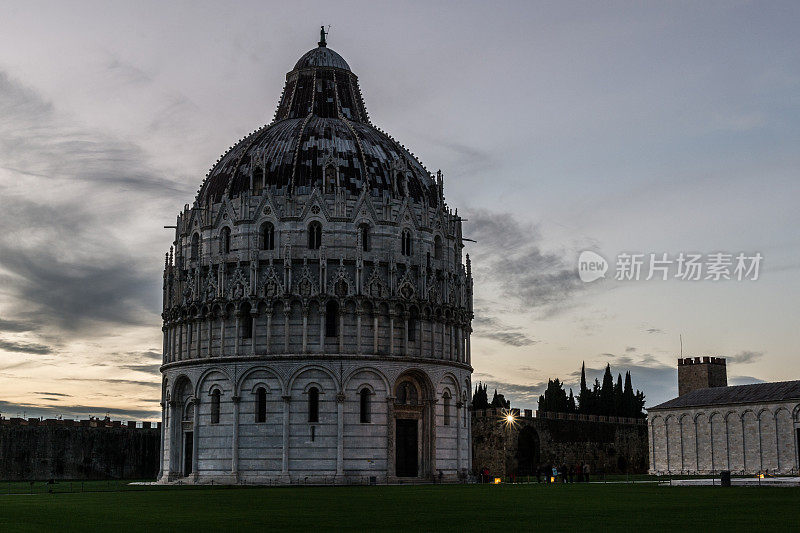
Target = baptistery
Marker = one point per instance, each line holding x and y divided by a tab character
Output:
316	311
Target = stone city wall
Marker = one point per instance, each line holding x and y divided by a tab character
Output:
606	444
36	449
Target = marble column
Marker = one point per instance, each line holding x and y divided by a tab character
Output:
358	331
391	333
235	440
253	332
321	330
237	332
199	341
188	339
340	398
341	329
405	334
175	441
375	332
161	446
469	345
390	437
269	331
421	338
286	312
210	319
459	414
432	425
286	402
195	437
305	330
441	342
222	335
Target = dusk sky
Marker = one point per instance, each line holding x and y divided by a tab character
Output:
615	127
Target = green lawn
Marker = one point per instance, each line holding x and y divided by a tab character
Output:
427	507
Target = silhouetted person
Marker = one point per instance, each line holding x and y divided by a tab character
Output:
586	472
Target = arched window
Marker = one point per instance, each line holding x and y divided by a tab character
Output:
261	404
313	404
314	235
330	179
258	180
446	398
464	409
412	325
246	322
225	240
331	319
195	251
215	399
365	237
406	244
267	236
364	411
437	247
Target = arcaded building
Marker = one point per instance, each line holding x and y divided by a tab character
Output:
317	306
711	427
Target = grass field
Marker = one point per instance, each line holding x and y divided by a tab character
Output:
633	507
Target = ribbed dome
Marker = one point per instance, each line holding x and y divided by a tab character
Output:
321	57
321	123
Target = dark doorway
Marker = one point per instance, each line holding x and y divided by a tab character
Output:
407	453
188	446
527	452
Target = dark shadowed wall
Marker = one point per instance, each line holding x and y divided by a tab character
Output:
519	449
42	452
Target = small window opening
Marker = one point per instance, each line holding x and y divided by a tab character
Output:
261	405
313	405
365	406
331	319
215	401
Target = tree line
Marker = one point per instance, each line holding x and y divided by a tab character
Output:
480	399
607	399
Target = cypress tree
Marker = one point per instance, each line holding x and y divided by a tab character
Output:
607	393
554	398
618	399
480	399
628	398
584	394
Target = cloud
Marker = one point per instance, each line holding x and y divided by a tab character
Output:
743	380
745	356
654	330
67	197
16	326
114	381
23	347
488	327
53	394
508	254
149	369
